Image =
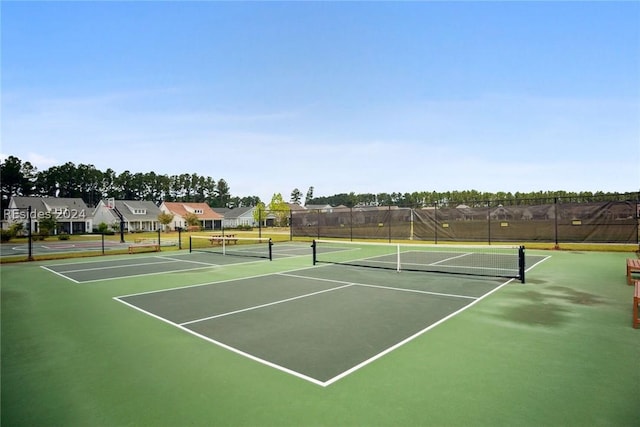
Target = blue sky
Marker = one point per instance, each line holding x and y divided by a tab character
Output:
342	96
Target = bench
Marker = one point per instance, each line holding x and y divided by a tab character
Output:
229	238
633	266
154	246
145	240
636	305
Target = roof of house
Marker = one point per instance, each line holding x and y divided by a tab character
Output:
47	204
22	202
128	208
296	207
235	212
183	208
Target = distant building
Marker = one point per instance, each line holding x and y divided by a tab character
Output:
209	219
237	217
135	215
71	214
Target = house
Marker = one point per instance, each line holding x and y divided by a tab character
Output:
72	214
134	215
294	207
321	208
237	217
209	219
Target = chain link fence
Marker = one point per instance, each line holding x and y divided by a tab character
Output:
560	220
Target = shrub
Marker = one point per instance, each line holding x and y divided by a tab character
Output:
6	235
63	236
16	229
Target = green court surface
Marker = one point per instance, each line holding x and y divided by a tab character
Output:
201	339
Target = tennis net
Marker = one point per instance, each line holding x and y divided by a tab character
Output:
256	247
478	260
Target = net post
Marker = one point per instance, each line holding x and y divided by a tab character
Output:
190	245
224	245
398	258
521	263
270	249
313	246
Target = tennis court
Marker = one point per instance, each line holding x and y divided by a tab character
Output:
55	247
240	340
341	323
346	316
173	262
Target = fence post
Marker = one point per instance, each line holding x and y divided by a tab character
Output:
489	221
389	220
351	223
435	221
555	221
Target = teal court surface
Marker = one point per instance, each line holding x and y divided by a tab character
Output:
346	315
177	338
343	319
150	264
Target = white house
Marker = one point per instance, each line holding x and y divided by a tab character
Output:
135	215
209	219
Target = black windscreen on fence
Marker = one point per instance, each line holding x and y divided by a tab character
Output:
561	220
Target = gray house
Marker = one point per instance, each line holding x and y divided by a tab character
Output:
71	214
135	215
237	217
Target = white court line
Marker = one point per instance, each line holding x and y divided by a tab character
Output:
116	266
186	260
256	307
416	291
225	346
94	260
177	288
149	274
146	274
287	370
411	338
450	258
282	368
539	262
59	274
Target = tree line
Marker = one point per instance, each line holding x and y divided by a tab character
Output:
471	198
85	181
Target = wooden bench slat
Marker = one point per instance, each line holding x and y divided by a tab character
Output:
155	246
633	266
